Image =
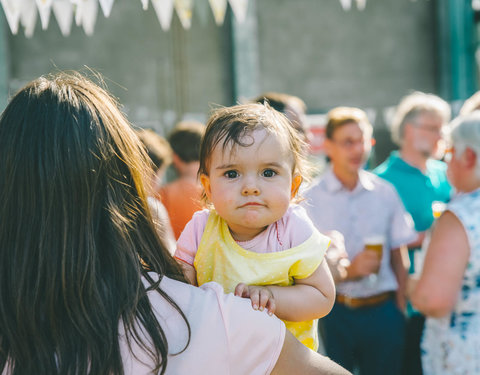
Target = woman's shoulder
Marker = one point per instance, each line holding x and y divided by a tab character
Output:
217	324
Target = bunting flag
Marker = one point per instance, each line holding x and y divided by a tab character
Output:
361	4
89	16
44	7
164	10
12	13
184	12
346	4
24	12
106	7
63	12
144	4
79	8
219	8
28	16
239	8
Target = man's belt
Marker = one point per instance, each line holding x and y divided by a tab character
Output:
357	302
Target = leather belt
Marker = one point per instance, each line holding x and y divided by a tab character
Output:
356	302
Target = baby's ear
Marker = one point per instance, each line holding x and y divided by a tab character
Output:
205	181
296	182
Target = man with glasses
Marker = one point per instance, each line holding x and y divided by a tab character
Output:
365	328
421	182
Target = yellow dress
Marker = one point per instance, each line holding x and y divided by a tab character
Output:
219	258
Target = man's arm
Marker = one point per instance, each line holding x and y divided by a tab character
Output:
400	264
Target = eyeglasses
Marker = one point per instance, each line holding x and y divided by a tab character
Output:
431	129
351	143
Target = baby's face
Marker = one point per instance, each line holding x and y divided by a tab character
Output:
251	187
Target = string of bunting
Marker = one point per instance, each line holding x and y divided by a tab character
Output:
24	13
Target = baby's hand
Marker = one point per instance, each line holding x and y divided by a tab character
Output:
261	296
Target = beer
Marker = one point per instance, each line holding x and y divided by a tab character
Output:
375	243
438	208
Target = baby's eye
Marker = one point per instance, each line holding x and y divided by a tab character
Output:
268	173
231	174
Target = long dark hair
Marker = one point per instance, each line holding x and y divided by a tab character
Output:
76	235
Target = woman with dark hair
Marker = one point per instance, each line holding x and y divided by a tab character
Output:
86	285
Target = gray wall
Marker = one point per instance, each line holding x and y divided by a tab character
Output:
310	48
330	57
159	76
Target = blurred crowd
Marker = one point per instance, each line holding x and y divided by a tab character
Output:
404	235
379	269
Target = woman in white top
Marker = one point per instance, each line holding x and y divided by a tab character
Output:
448	291
86	285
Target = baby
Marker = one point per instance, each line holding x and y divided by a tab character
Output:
255	241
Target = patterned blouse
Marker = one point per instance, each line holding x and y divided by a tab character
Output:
451	344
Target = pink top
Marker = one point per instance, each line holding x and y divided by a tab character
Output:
227	335
291	230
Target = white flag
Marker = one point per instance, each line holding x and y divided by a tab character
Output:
184	11
361	4
346	4
12	13
44	7
28	16
106	7
89	16
219	8
239	8
144	4
164	10
63	12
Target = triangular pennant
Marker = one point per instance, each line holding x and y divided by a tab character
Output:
346	4
361	4
79	6
202	11
28	16
164	10
219	8
44	7
239	8
63	11
106	7
184	11
12	13
89	16
144	4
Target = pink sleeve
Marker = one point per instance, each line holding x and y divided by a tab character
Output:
189	240
297	226
254	338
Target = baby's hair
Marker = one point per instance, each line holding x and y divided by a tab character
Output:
229	125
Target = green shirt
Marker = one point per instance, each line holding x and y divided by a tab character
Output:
417	190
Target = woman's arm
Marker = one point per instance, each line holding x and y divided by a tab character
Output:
447	256
308	299
296	358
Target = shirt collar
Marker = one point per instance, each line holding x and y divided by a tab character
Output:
396	159
333	184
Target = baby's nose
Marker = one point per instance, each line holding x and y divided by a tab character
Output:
250	190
